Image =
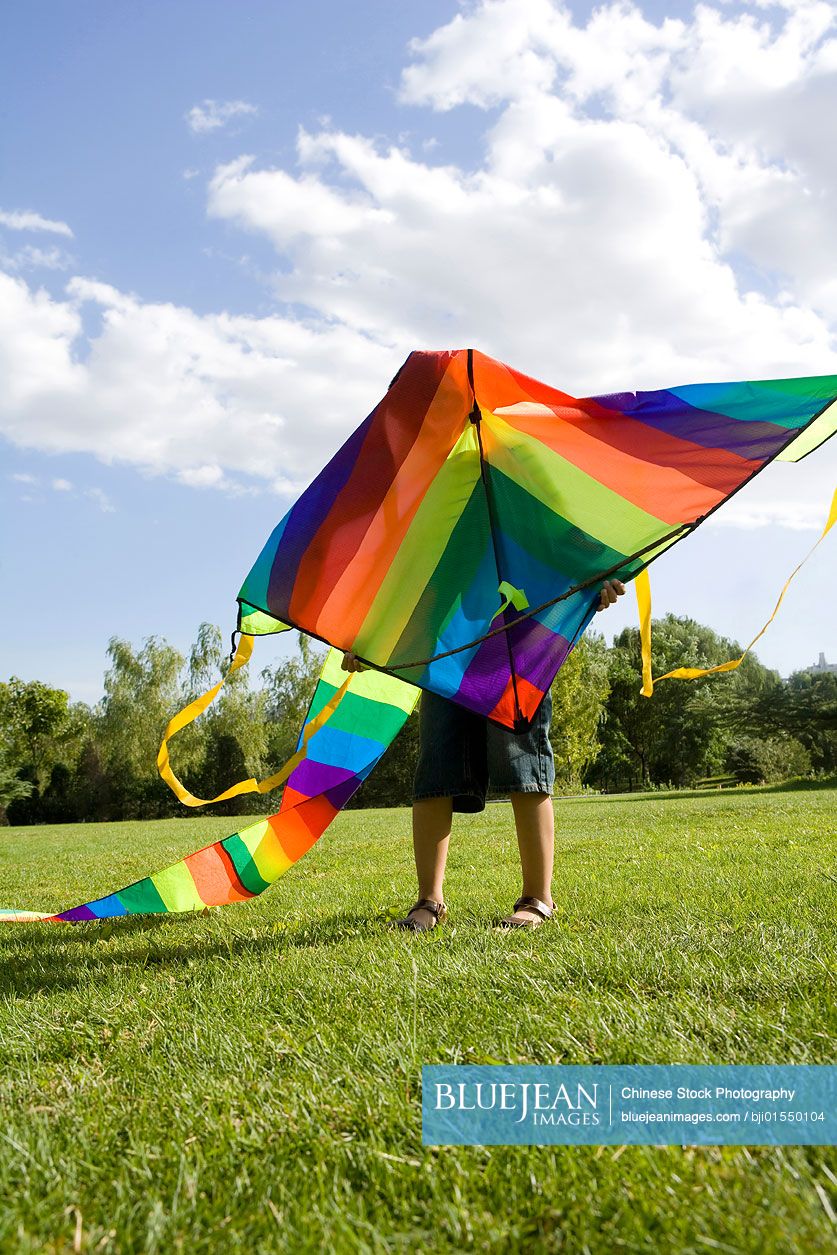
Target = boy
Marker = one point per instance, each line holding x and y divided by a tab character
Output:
459	752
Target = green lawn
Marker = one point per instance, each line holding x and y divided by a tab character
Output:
249	1080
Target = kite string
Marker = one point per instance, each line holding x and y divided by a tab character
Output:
534	610
643	596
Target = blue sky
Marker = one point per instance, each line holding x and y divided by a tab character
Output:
223	225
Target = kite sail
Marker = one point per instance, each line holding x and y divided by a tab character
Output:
460	537
457	542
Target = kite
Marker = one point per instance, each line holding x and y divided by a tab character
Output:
457	542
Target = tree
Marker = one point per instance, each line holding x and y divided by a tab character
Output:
765	759
579	693
33	721
681	733
142	691
12	787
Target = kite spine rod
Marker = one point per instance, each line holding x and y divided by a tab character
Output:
476	416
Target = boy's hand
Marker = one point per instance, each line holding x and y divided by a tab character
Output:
350	663
611	589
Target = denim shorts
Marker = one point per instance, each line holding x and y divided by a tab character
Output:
461	755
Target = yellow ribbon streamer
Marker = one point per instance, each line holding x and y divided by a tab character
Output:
189	713
643	597
643	601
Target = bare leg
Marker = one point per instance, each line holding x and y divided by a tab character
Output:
534	818
432	818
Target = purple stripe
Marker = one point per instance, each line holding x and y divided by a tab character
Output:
77	915
340	794
312	778
668	413
305	518
486	676
538	652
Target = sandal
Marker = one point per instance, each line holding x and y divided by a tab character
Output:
437	909
534	904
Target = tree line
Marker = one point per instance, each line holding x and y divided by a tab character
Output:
63	761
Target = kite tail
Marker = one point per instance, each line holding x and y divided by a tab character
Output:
643	597
334	756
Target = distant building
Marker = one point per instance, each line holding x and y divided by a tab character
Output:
822	665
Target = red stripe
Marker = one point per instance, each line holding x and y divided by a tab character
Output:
714	468
396	424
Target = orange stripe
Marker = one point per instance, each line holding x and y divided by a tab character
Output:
497	384
212	878
348	603
298	829
390	432
719	469
291	797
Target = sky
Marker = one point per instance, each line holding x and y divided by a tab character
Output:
223	226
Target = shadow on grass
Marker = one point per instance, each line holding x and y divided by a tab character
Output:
53	960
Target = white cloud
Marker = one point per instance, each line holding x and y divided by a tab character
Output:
31	258
27	220
211	115
22	477
101	499
650	207
171	391
62	485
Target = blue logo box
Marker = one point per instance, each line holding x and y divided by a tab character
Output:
625	1104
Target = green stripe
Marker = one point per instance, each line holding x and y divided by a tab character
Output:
256	623
453	578
359	715
822	429
142	898
567	491
242	861
548	537
770	398
375	686
421	549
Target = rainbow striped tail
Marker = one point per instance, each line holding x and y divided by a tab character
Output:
338	758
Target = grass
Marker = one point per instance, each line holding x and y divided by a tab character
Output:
249	1080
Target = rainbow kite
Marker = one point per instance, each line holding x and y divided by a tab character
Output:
457	542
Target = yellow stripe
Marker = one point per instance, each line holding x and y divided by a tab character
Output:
177	889
421	550
270	859
643	596
199	705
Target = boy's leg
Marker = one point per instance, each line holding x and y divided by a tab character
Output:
534	818
523	766
432	817
451	774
